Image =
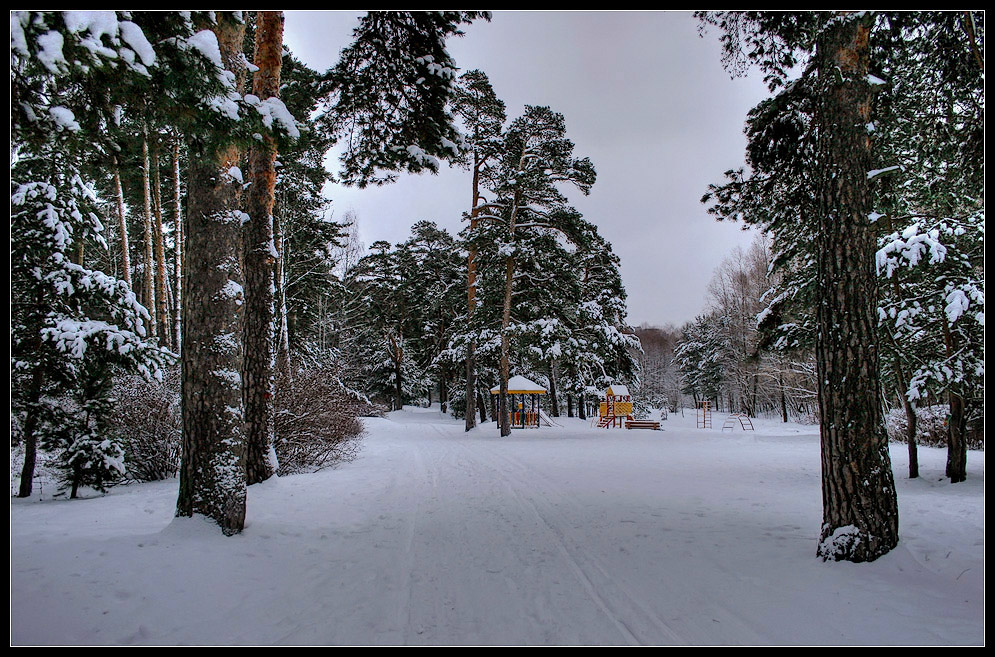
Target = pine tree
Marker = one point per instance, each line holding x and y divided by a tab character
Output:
860	515
482	116
536	156
66	318
388	95
930	130
260	255
212	475
926	126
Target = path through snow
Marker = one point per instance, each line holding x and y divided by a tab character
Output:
564	535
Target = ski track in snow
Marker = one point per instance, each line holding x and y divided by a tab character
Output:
617	604
556	536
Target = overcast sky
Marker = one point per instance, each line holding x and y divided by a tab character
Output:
643	96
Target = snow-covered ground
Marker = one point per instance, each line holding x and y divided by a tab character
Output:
567	535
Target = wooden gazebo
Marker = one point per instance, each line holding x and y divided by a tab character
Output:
524	401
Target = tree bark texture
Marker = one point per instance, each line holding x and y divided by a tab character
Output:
554	403
481	407
509	285
260	256
212	473
122	225
29	433
178	255
957	421
860	507
148	271
162	292
503	409
471	298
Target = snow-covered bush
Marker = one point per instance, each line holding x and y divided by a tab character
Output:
146	420
317	420
931	427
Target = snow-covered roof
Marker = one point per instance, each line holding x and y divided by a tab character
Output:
518	385
617	390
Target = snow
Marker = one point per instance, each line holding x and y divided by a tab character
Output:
18	42
96	23
560	535
50	51
64	118
206	43
519	382
420	156
874	173
957	305
132	35
273	110
230	290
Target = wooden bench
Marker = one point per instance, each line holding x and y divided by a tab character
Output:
642	424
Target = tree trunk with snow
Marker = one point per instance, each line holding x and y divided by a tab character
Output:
860	507
212	473
178	254
148	266
283	369
122	225
260	256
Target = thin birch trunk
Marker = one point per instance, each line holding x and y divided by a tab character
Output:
283	368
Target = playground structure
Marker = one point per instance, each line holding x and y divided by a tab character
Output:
703	414
744	422
524	412
616	407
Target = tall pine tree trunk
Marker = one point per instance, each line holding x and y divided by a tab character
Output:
122	224
178	254
503	410
212	473
509	285
471	298
148	266
162	292
860	507
260	253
